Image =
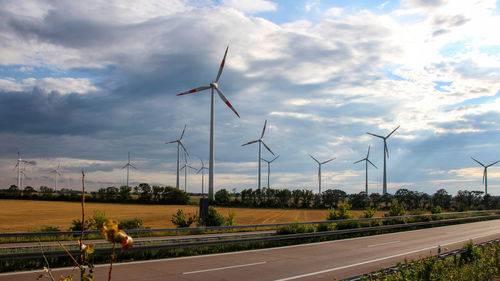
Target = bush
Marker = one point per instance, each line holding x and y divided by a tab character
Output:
97	220
397	209
77	225
325	227
294	228
222	198
214	218
130	223
230	218
369	213
436	210
342	213
180	220
48	228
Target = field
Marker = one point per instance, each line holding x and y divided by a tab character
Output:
27	215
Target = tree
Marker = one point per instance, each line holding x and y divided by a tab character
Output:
397	209
173	195
307	197
29	190
247	197
157	191
111	193
284	196
406	197
296	195
124	194
180	220
145	192
13	188
46	191
359	200
342	213
331	198
214	218
222	197
375	198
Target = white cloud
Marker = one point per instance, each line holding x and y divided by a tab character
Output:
251	6
61	85
334	12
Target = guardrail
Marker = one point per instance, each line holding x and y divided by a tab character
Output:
249	240
234	227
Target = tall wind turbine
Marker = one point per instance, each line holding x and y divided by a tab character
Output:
260	141
386	152
366	168
269	169
214	87
202	176
179	144
20	161
485	174
319	169
185	167
128	165
57	172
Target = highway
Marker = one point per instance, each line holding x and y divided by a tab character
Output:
318	261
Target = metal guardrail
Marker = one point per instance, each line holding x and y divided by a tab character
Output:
234	227
441	256
249	240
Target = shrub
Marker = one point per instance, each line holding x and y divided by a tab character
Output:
369	213
222	197
437	210
48	228
397	209
180	220
98	219
230	218
325	227
214	218
294	228
77	225
130	223
342	213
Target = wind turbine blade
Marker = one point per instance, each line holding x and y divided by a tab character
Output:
199	89
478	162
484	173
386	150
375	135
132	166
192	167
250	142
171	141
264	160
327	161
263	129
393	131
314	158
359	161
267	148
122	167
221	66
275	158
492	164
371	163
226	101
183	130
185	150
368	154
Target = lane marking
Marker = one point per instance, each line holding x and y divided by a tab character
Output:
383	244
374	260
226	267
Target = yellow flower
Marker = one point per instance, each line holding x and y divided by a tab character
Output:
114	235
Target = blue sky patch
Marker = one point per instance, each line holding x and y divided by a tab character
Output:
440	84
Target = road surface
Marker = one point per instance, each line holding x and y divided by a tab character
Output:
318	261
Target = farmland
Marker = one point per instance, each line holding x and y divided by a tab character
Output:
28	215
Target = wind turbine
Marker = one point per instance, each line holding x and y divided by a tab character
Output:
213	86
485	174
366	168
269	169
18	166
128	165
202	176
23	177
386	152
319	169
57	172
185	166
179	144
260	141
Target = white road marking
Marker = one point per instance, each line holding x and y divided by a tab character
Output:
383	244
374	260
226	267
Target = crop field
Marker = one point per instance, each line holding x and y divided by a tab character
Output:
28	215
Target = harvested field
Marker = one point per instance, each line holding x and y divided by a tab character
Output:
28	215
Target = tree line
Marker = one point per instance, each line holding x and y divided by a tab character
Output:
143	193
331	198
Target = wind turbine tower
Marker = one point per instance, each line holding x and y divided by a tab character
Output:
269	169
386	153
319	169
485	174
213	87
20	161
179	144
128	165
57	172
366	168
260	141
202	176
185	167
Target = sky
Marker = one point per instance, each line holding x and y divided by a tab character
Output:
82	83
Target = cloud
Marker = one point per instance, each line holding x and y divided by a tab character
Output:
251	6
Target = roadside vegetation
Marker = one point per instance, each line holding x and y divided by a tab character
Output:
473	264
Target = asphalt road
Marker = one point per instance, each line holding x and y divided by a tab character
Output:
318	261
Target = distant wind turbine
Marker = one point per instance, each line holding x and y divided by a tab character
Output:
366	168
185	166
20	161
57	172
485	174
386	152
202	176
214	87
23	177
179	144
128	165
269	169
260	141
319	169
